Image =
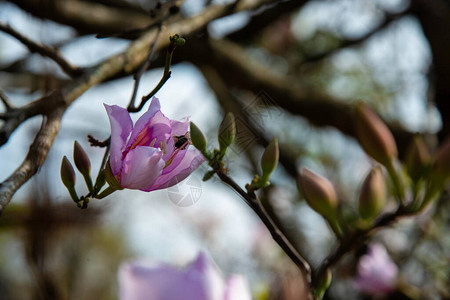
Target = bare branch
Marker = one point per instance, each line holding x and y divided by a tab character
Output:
43	50
388	20
6	102
86	17
35	158
260	21
137	76
228	102
253	201
319	108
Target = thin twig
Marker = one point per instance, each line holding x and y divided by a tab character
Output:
96	143
137	76
6	102
43	50
166	75
253	201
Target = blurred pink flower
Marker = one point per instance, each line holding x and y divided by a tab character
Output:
200	280
144	157
377	273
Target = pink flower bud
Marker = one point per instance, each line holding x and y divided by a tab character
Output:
68	178
81	159
372	196
319	193
374	136
67	173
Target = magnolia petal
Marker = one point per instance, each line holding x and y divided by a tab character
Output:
205	273
151	125
141	167
178	128
237	288
191	160
376	271
121	126
142	280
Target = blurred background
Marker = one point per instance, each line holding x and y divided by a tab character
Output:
291	70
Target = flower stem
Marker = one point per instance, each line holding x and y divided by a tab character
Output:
106	192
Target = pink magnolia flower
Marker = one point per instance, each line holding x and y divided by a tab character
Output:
377	273
149	156
200	280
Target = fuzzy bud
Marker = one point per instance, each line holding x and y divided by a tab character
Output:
227	131
417	158
372	196
319	193
374	136
269	160
197	137
441	166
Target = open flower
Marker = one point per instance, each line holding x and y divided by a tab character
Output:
377	273
154	153
200	280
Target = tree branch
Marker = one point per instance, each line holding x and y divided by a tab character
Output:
86	17
43	50
260	21
287	92
254	203
228	102
388	20
35	158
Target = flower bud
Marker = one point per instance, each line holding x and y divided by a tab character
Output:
197	137
83	164
81	159
67	173
372	196
227	131
177	40
208	175
319	193
374	136
417	158
68	178
441	166
269	161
